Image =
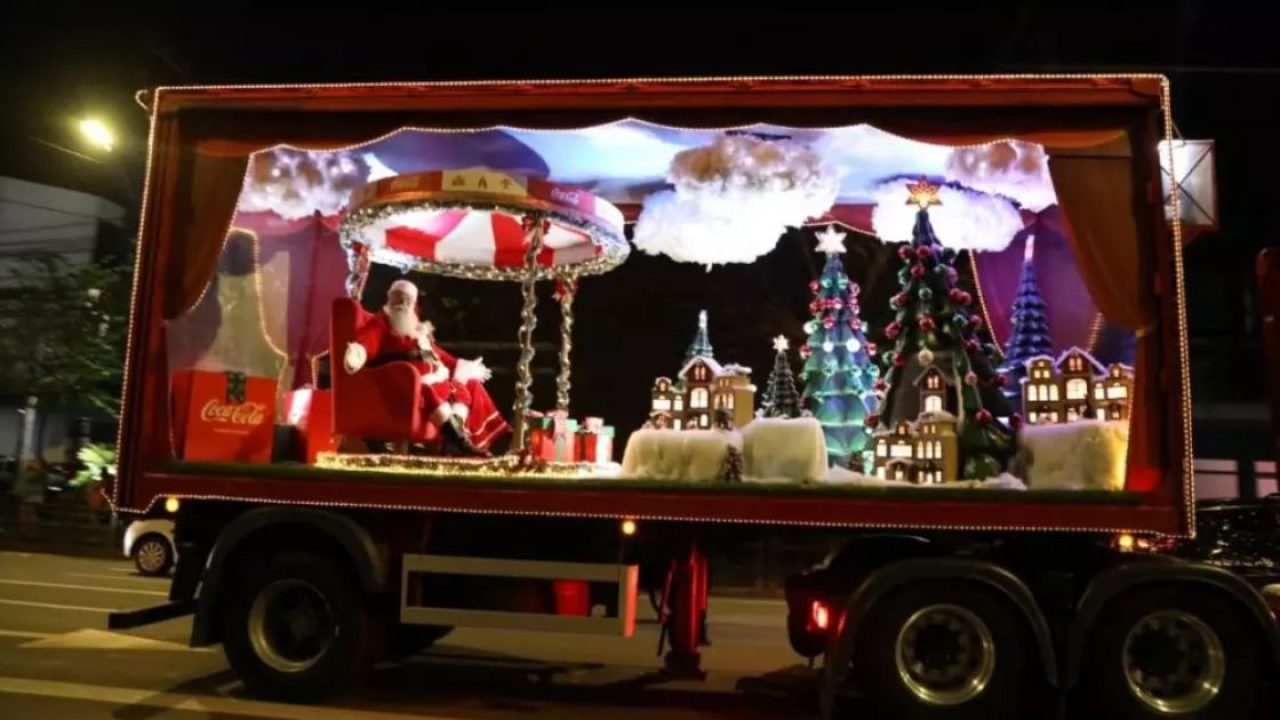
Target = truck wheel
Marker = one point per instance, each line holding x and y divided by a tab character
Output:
1171	653
944	650
297	628
152	555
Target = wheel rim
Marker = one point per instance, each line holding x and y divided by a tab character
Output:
152	556
1173	662
945	655
291	625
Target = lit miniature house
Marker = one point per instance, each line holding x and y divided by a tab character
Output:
1041	396
734	392
1075	387
936	394
701	388
1112	394
698	379
925	452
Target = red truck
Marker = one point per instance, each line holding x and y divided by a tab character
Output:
963	601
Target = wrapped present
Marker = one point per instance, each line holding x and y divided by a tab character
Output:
310	412
223	416
595	441
552	436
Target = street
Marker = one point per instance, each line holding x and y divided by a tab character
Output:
57	660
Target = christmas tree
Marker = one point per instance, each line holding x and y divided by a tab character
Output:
1029	335
838	370
934	328
701	345
781	398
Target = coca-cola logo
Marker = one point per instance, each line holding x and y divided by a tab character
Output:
568	197
247	413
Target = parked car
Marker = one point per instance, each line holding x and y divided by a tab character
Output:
150	544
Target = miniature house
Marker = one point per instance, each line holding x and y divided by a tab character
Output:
925	452
1112	394
703	387
936	391
1075	387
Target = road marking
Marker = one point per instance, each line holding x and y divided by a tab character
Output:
93	588
157	582
90	639
53	606
194	703
23	634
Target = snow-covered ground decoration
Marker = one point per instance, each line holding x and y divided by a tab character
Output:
843	476
733	199
1082	455
963	219
296	183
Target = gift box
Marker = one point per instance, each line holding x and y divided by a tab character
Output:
552	436
310	412
595	441
223	416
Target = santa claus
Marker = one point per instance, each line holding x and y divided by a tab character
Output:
453	397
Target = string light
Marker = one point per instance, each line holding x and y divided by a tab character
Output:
503	466
566	290
528	321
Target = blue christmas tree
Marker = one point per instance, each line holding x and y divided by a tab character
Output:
839	370
1029	333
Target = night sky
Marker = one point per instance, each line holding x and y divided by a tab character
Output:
60	61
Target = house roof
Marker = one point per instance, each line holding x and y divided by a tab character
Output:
716	369
934	367
1097	366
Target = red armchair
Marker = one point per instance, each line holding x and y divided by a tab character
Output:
380	403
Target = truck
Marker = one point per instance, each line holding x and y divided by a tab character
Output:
328	514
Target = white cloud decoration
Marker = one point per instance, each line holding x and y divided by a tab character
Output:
963	219
295	183
1015	169
733	199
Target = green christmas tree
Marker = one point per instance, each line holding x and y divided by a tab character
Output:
781	398
839	370
935	328
701	345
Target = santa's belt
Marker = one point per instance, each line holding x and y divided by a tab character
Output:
402	356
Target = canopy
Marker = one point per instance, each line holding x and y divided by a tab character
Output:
471	224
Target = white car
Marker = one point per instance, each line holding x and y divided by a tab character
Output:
150	544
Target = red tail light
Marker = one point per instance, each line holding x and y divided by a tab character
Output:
820	615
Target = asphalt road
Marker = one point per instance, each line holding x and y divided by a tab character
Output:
58	661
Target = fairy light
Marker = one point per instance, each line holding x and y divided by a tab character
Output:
566	292
982	304
528	321
503	466
1045	529
1095	332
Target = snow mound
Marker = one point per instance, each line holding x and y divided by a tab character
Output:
784	450
1083	455
688	455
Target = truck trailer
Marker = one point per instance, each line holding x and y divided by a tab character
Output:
993	411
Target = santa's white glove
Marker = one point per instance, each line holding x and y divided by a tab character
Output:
355	357
438	374
471	370
425	330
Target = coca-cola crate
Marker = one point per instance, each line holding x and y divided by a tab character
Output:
223	416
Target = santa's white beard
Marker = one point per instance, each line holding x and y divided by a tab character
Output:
403	320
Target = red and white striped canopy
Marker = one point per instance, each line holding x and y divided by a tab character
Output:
472	223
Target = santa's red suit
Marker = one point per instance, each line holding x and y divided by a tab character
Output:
450	387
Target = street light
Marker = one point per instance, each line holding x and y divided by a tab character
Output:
97	133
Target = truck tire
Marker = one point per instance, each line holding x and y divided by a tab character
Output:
297	627
1171	652
953	650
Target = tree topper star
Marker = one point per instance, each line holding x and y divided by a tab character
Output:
831	241
780	343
